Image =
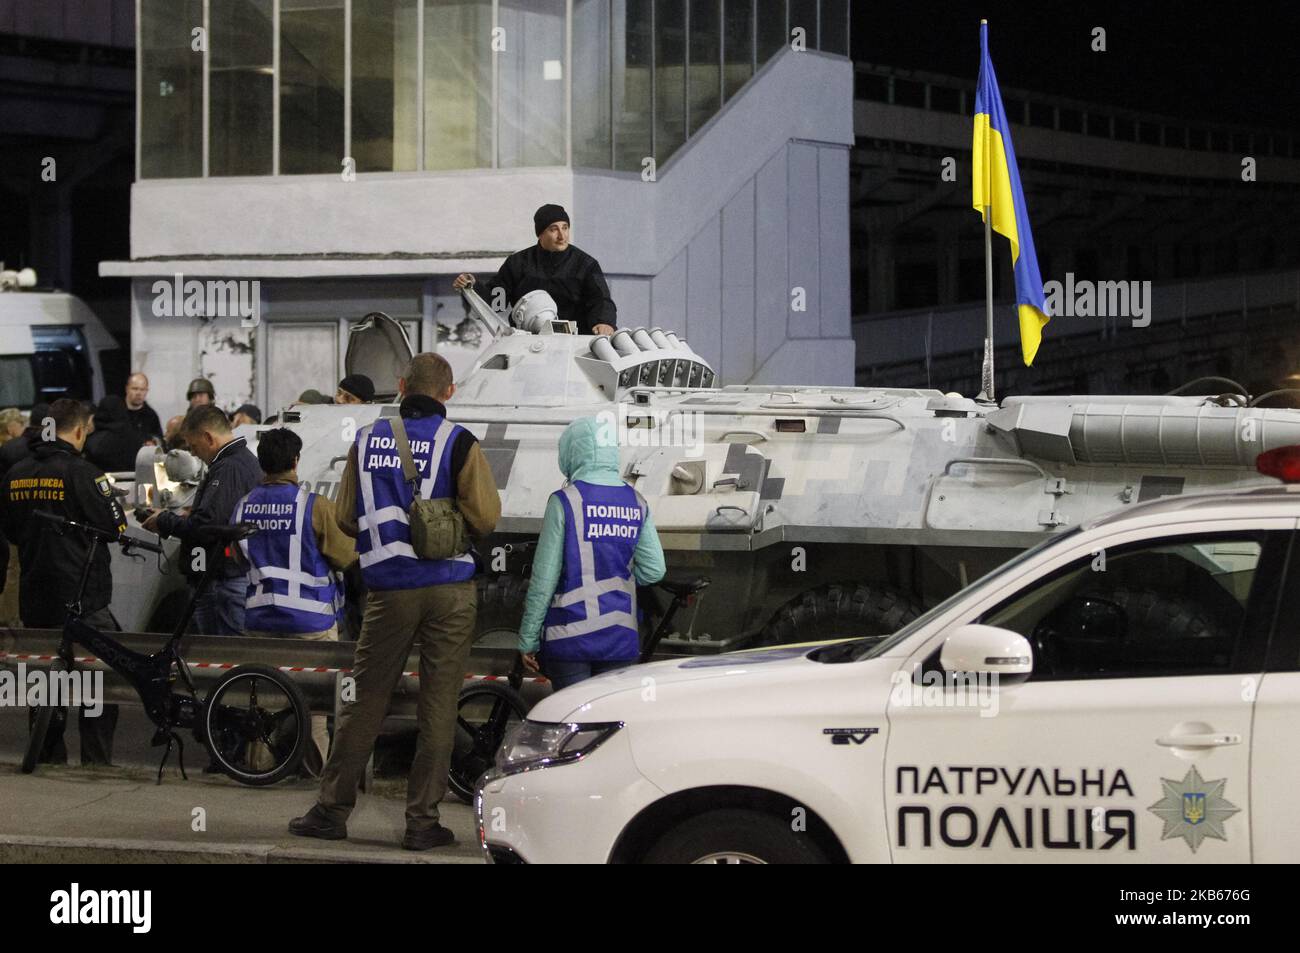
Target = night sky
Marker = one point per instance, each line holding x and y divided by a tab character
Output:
1223	61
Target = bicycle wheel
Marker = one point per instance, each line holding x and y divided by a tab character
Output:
256	725
485	711
40	728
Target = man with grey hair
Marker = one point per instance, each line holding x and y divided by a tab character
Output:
411	600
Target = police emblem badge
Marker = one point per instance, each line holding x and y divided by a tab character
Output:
1194	809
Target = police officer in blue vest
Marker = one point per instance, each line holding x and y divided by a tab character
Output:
410	601
597	544
292	591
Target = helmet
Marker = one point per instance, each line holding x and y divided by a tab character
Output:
200	385
533	310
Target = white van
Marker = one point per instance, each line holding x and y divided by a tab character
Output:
51	345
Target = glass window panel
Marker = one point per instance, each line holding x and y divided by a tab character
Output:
945	99
171	90
835	27
311	86
633	82
705	61
531	125
738	45
241	86
670	76
871	86
591	83
457	84
803	13
772	35
384	123
908	92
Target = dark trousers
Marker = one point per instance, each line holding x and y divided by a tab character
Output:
439	620
96	733
563	673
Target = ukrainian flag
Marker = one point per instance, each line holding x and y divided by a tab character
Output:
997	185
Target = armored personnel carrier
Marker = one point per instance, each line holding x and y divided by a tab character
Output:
816	511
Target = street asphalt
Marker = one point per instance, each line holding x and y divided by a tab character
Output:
74	814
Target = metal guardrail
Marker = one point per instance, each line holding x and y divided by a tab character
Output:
318	668
920	334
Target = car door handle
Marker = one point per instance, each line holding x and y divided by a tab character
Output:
1208	740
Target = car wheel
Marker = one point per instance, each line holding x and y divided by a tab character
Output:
735	837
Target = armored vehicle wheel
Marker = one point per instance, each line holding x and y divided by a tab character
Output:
1160	629
500	607
839	611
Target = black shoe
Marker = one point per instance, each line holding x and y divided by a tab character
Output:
436	836
315	824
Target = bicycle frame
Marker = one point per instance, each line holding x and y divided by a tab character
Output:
149	675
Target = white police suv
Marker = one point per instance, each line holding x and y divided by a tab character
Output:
1127	691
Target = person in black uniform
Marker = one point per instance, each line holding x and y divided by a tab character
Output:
571	276
56	479
144	419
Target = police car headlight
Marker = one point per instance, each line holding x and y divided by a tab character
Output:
537	744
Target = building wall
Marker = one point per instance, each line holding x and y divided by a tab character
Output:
740	242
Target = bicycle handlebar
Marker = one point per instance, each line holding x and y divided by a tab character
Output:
105	536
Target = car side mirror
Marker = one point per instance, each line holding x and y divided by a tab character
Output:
986	649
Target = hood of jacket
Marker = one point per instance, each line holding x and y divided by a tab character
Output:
589	451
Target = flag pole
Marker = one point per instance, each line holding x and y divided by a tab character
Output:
986	375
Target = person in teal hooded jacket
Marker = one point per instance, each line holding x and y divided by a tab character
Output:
598	543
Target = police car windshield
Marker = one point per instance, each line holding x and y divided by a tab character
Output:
871	648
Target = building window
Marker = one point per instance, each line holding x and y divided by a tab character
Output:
384	77
803	14
772	34
171	90
457	84
241	87
531	121
670	77
592	88
834	36
705	72
633	83
737	45
311	86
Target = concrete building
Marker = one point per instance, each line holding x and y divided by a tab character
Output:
355	155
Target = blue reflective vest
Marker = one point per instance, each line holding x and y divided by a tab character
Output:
592	617
290	586
383	497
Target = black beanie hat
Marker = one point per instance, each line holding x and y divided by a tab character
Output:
359	385
548	215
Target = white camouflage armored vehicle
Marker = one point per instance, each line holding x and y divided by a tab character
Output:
816	511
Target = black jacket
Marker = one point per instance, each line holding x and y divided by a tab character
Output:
57	479
145	422
572	277
19	447
115	442
231	474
